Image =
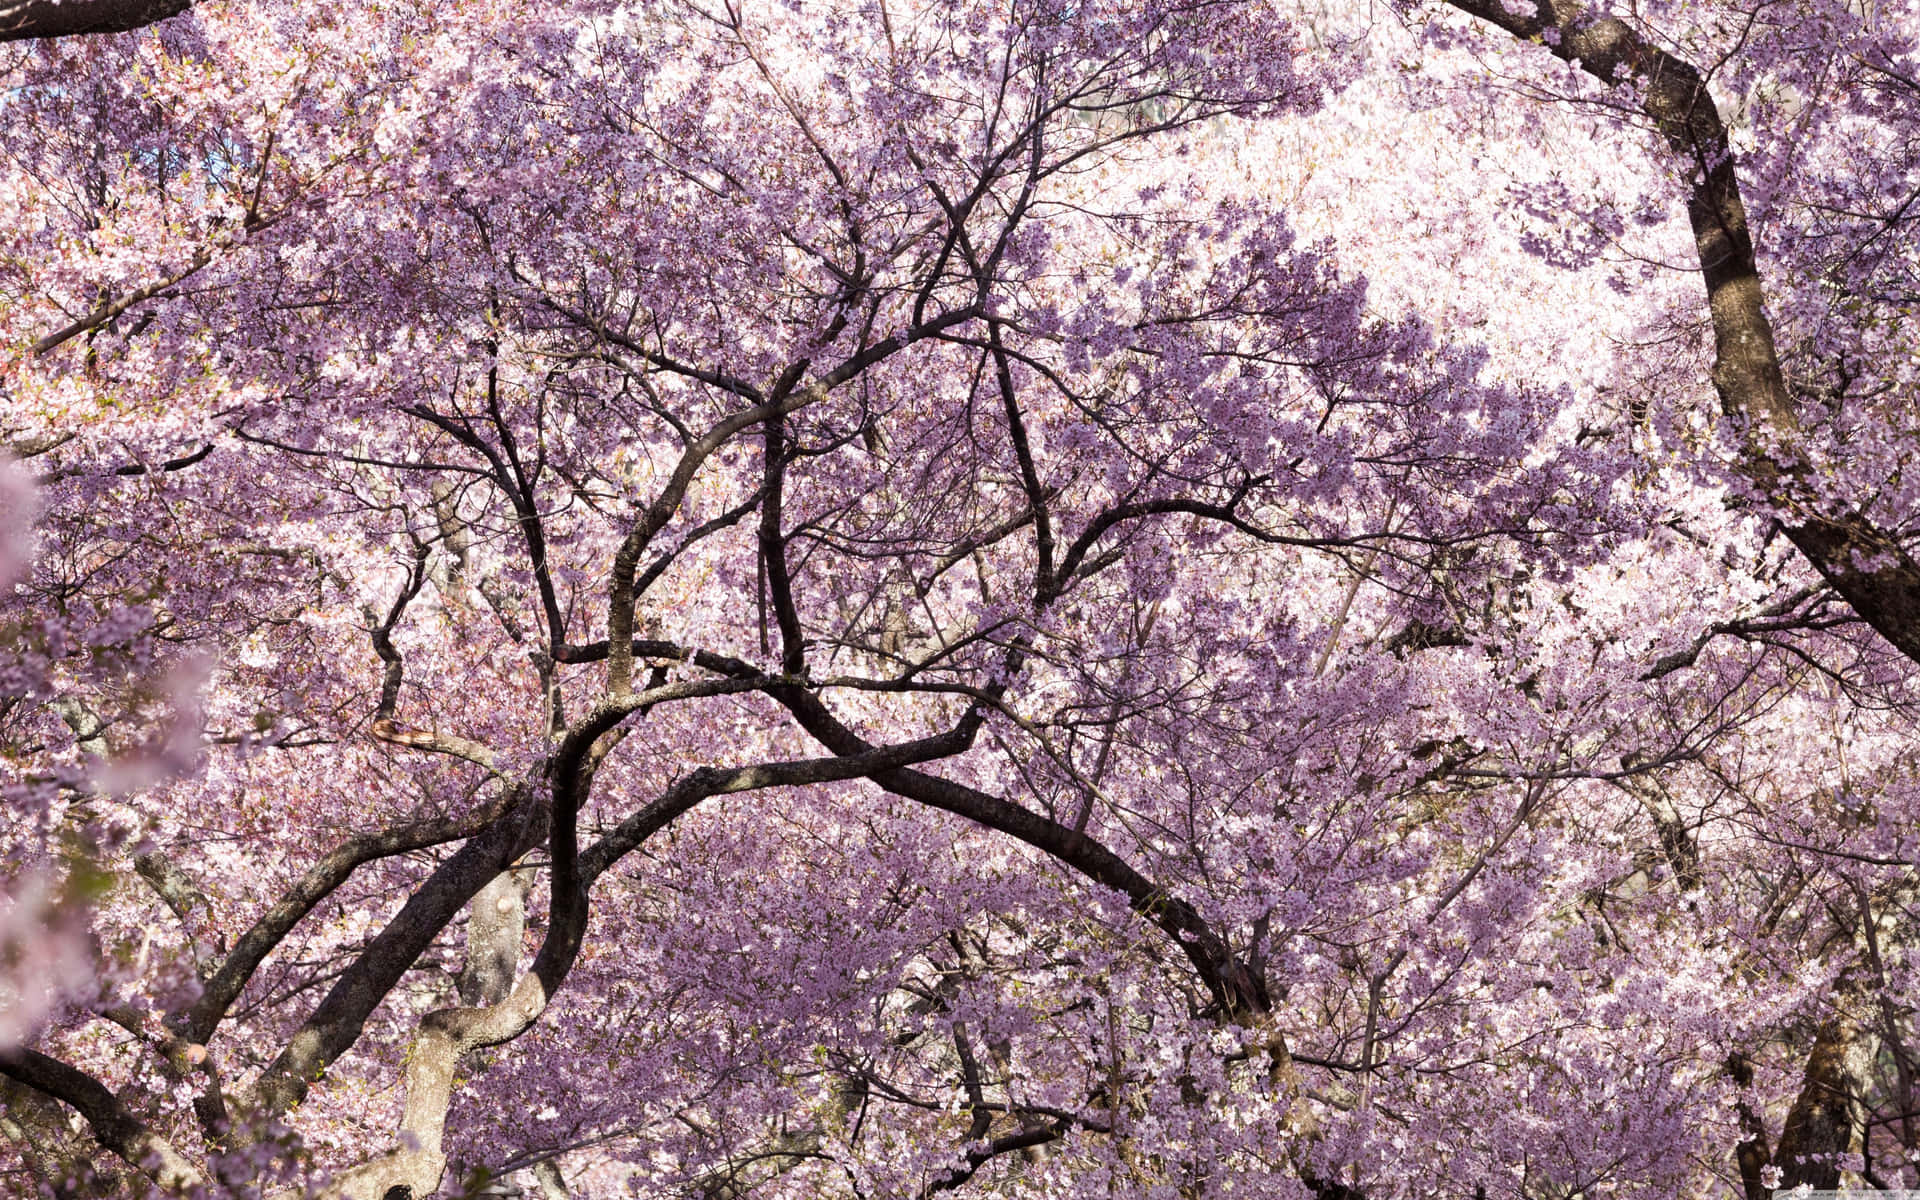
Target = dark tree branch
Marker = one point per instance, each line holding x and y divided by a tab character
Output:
1868	566
23	19
45	11
112	1122
314	885
1236	991
980	1155
335	1025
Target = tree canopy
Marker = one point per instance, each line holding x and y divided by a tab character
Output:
1127	598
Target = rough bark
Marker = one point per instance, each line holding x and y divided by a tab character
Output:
447	1036
1751	1154
54	1148
336	1024
494	929
551	1184
313	886
1829	1117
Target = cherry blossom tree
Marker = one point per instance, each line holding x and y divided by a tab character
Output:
1112	599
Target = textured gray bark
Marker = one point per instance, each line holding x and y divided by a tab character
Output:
54	1148
314	885
551	1185
494	930
1828	1118
336	1024
446	1036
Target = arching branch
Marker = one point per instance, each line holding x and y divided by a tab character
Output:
1868	566
112	1122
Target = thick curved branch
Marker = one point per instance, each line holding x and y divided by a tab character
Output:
985	1152
710	781
436	742
1072	563
39	1130
23	19
1235	988
447	1035
335	1025
1866	565
314	885
1237	992
393	670
127	470
172	464
113	1124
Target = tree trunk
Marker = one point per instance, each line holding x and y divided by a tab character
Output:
1829	1118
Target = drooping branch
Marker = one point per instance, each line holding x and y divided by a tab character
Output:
1237	992
112	1122
1234	987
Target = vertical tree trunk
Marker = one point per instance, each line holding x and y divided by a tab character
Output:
495	926
1829	1118
1751	1153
